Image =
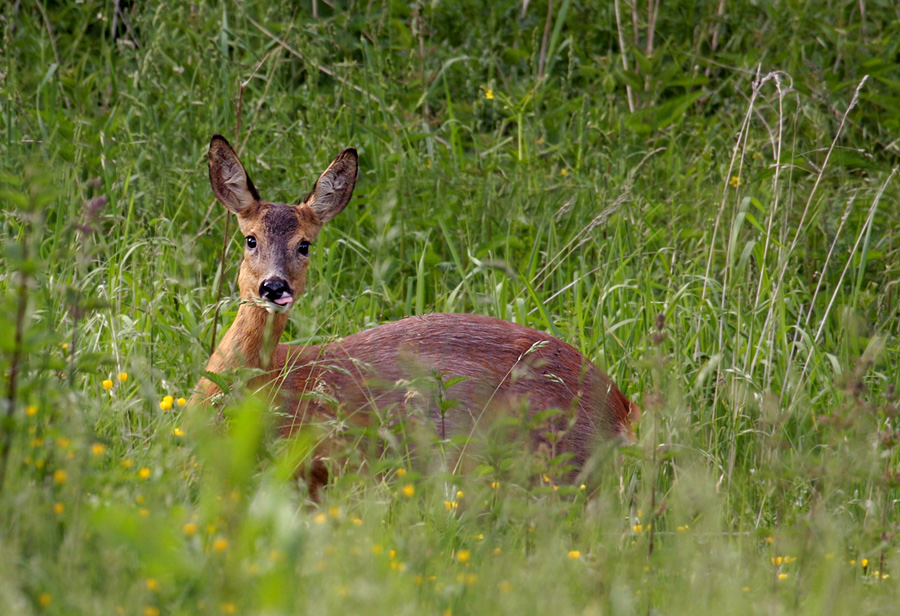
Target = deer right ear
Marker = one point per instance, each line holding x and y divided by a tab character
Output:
230	183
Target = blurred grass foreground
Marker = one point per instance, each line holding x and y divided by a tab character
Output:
700	197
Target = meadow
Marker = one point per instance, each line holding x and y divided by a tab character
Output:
701	199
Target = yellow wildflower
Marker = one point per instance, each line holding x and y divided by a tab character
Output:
151	611
144	473
166	403
181	401
189	529
60	476
735	181
783	576
122	376
151	584
107	384
98	449
409	490
44	599
58	508
220	544
31	410
401	472
463	556
489	94
574	554
178	432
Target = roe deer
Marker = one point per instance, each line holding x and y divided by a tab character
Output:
508	366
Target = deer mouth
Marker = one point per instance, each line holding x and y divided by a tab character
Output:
281	305
275	306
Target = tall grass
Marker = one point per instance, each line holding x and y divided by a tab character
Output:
700	199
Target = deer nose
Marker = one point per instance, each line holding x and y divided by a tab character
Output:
276	290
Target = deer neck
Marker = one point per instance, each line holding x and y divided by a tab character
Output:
250	342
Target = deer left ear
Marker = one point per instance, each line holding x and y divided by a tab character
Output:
334	187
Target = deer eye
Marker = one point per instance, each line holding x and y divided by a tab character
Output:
303	248
251	241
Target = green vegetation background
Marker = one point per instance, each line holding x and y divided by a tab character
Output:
699	196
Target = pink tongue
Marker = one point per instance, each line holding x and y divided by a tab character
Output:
287	299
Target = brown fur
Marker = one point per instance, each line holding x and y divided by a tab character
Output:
378	372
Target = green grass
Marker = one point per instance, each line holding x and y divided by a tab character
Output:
711	218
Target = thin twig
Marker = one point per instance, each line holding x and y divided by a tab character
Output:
863	232
800	225
624	57
237	140
545	41
315	65
53	47
240	104
14	365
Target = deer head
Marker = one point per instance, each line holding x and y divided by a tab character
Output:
277	236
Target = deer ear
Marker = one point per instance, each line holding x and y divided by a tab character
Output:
334	187
230	183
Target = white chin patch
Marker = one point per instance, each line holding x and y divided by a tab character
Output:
280	306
